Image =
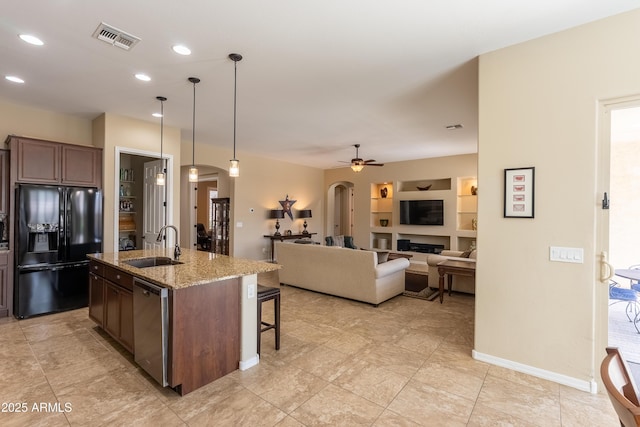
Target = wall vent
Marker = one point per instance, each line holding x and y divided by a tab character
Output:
115	37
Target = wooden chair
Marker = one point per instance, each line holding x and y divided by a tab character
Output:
204	240
621	388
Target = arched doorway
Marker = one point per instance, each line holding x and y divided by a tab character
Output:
340	209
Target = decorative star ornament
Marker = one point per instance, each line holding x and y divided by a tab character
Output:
286	206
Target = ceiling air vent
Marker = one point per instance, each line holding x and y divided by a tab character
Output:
115	37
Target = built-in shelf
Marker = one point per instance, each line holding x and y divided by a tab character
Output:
425	185
381	205
127	224
458	232
467	204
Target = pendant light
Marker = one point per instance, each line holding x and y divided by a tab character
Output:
160	177
193	171
234	166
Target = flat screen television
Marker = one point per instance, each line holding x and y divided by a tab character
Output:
422	212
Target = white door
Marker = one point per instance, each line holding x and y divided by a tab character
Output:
617	234
155	214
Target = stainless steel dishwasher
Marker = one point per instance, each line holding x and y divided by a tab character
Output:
151	328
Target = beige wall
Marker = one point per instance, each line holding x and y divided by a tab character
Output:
539	107
261	184
112	131
25	121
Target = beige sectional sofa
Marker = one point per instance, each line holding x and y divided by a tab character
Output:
347	273
460	283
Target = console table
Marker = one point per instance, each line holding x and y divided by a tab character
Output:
284	237
452	268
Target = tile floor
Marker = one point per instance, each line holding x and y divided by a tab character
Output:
405	363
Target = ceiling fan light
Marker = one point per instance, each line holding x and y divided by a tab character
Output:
234	168
193	174
357	167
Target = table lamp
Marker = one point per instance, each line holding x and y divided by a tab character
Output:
277	214
304	213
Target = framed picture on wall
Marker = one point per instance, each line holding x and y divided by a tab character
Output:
519	192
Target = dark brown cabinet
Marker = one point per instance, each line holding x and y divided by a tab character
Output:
111	302
36	161
81	166
45	162
118	318
96	299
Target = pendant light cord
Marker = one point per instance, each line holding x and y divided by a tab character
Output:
162	134
235	89
193	138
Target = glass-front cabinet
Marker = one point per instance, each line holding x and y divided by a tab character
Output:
220	209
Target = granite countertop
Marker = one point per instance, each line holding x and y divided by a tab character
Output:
198	267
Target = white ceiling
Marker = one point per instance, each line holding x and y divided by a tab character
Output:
316	78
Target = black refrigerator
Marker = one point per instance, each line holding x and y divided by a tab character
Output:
56	227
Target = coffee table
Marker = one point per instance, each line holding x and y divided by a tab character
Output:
453	268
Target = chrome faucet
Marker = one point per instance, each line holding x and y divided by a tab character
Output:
176	250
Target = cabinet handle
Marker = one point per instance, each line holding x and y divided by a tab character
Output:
118	276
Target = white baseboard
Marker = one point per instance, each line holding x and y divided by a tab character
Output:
588	386
246	364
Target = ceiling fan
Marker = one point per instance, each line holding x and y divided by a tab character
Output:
357	164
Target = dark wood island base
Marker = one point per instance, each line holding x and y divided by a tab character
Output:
204	334
205	312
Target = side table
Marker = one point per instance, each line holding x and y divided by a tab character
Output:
452	268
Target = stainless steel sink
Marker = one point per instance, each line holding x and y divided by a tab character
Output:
156	261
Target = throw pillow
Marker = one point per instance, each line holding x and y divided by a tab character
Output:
348	242
339	241
328	241
465	254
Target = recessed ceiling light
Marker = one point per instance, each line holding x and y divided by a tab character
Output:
181	50
158	115
14	79
143	77
454	127
31	39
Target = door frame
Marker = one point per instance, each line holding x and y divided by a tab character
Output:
603	174
116	185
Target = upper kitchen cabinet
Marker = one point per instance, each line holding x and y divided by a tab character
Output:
4	184
81	166
45	162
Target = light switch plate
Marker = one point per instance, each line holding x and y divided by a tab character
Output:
251	291
563	254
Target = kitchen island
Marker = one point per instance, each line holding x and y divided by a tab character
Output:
211	304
